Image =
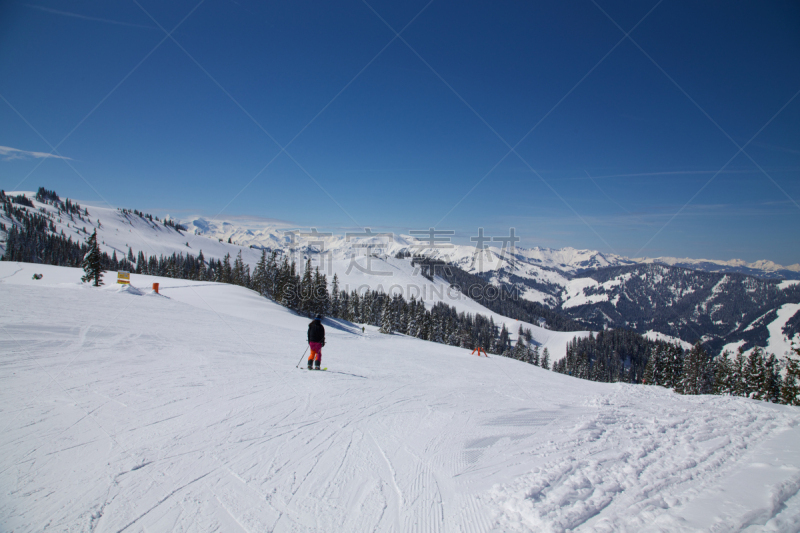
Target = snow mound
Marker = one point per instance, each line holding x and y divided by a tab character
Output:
130	289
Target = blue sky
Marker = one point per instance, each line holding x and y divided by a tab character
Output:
542	116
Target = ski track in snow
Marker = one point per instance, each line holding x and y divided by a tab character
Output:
124	412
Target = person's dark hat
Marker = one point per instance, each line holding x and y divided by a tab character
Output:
318	317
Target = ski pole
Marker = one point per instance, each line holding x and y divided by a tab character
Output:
301	359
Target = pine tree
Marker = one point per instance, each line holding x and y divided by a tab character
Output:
738	382
306	290
694	370
650	370
386	319
546	359
754	374
424	322
722	374
226	271
413	324
336	299
92	264
172	268
662	370
533	354
790	388
437	331
676	356
502	342
320	297
772	379
520	350
260	274
238	270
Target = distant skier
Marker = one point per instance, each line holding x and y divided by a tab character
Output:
316	340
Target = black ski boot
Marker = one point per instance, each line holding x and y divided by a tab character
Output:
310	365
316	365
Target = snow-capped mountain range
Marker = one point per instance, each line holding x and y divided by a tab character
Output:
260	233
713	302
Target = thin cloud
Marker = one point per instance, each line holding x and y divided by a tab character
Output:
86	17
9	154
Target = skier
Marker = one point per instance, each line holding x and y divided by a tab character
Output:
316	340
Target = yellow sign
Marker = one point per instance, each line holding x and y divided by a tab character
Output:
123	277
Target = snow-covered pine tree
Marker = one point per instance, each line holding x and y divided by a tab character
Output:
386	319
772	379
690	372
344	304
411	329
676	357
754	374
247	280
92	264
172	268
663	364
583	365
450	331
502	342
201	266
272	274
738	384
306	290
533	353
321	298
722	374
693	370
426	331
398	322
437	331
226	272
790	388
260	274
336	299
354	308
650	369
365	308
545	359
520	349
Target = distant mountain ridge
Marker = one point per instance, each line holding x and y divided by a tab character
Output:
567	261
760	269
717	308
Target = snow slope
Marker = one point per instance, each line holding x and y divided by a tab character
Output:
117	231
397	276
122	410
351	258
778	343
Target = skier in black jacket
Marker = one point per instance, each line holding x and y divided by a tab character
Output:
316	340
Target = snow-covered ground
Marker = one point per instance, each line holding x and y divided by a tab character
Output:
122	410
658	336
778	343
